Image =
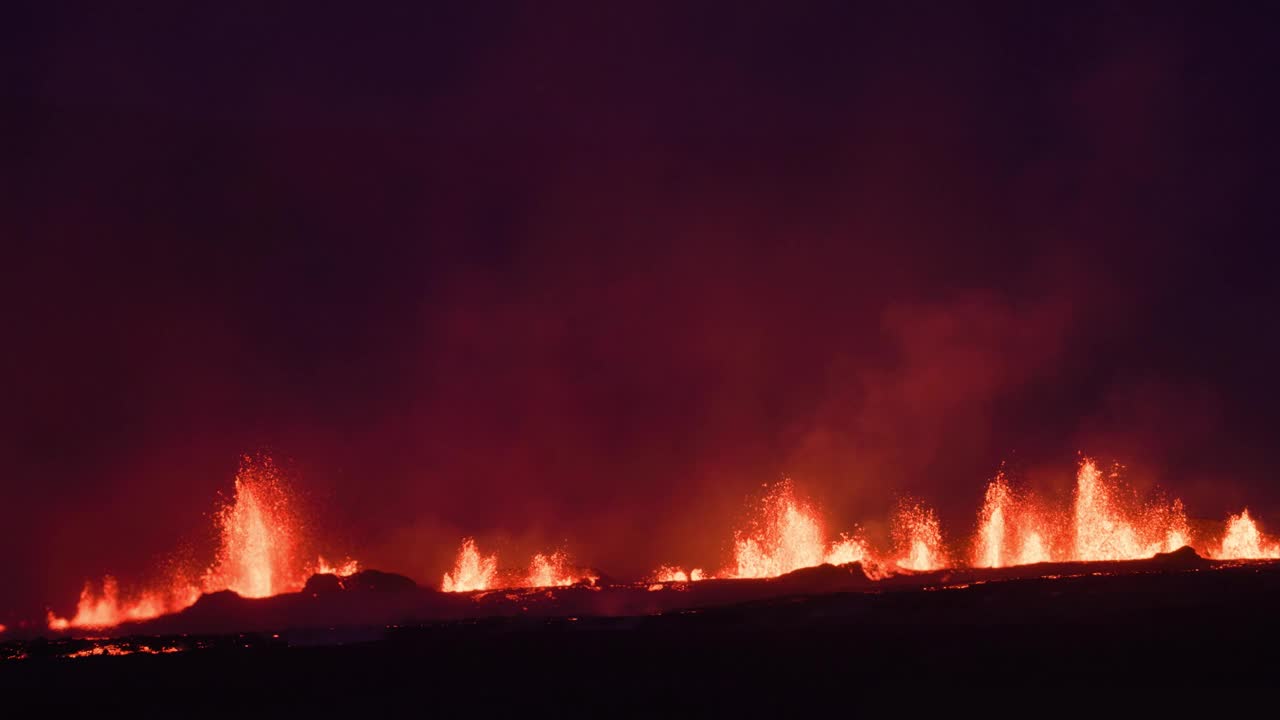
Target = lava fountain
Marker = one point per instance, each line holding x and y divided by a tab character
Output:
474	571
787	535
918	538
1012	529
669	573
107	608
471	570
550	570
1103	532
993	525
343	569
257	557
1244	541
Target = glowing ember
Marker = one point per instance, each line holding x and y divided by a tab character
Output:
1244	541
121	649
919	538
787	536
97	650
666	574
471	570
258	537
106	609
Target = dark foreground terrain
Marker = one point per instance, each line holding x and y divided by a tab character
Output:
1185	625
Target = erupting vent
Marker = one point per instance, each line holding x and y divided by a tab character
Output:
257	556
473	571
260	537
787	535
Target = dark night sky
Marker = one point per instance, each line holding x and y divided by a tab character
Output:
567	274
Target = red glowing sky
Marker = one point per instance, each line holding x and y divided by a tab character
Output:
587	281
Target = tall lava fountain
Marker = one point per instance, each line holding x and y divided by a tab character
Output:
258	552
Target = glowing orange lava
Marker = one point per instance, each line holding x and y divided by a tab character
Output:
1244	541
1033	549
919	538
107	609
121	649
787	536
256	557
1011	528
993	525
668	573
345	569
259	537
550	571
1103	532
260	541
471	570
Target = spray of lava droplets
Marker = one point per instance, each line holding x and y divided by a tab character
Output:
471	570
993	525
345	569
1010	530
474	571
550	571
670	573
256	557
107	608
787	535
1243	541
918	537
259	537
1102	532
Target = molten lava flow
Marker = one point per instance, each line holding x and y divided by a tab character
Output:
346	569
1243	541
919	538
107	609
668	573
256	558
471	570
989	550
787	536
122	649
